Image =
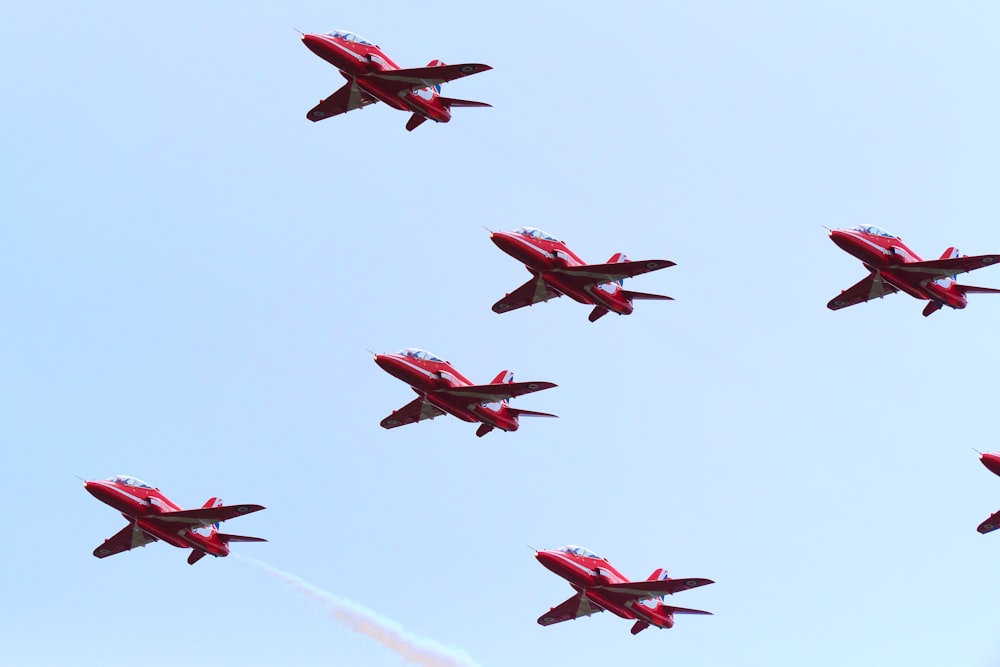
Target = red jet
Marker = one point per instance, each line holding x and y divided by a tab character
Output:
557	270
442	389
152	516
601	587
373	77
895	268
992	463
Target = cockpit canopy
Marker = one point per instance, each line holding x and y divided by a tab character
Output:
350	37
579	551
129	481
874	231
535	233
422	355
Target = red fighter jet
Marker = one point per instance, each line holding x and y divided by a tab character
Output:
895	268
443	390
152	516
373	77
992	463
557	270
601	587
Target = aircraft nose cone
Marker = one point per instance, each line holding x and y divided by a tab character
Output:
502	240
547	559
384	361
96	489
842	238
314	43
992	462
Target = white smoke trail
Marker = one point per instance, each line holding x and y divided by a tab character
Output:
386	632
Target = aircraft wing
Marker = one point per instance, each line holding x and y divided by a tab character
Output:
645	590
939	268
606	273
480	393
572	609
403	80
990	524
868	288
532	292
346	98
416	410
126	539
207	515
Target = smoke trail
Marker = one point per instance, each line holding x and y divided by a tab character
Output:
386	632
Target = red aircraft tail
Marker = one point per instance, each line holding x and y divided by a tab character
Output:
503	377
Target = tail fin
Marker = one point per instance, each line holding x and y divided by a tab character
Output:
211	502
416	120
195	556
659	574
632	296
618	258
483	430
503	377
951	253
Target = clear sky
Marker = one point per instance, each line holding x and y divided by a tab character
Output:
192	273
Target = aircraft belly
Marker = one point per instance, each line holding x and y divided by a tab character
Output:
565	287
904	285
595	597
451	407
372	88
161	532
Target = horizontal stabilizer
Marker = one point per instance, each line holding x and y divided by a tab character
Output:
970	289
529	413
628	294
666	609
226	537
452	102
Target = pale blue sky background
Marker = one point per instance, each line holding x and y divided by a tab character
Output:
192	273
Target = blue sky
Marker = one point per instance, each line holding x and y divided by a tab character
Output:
193	274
